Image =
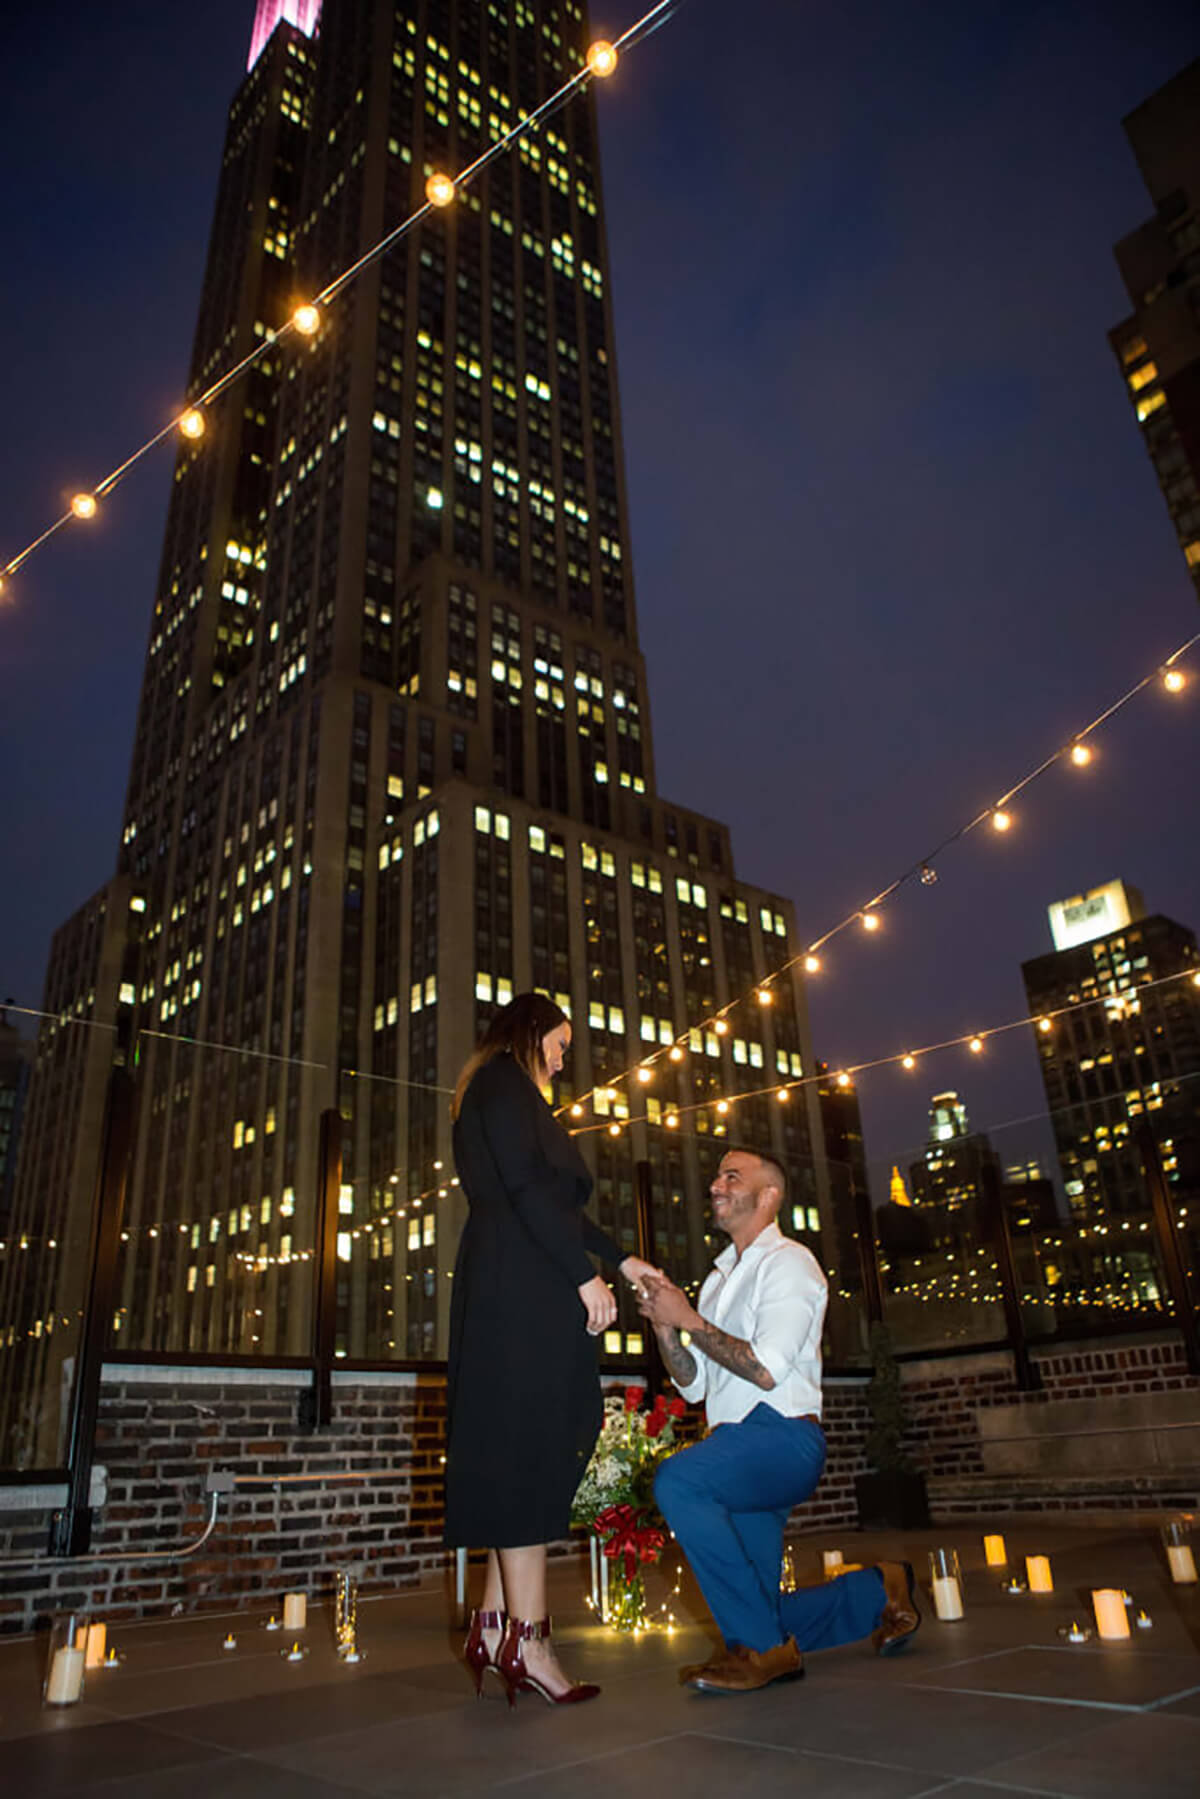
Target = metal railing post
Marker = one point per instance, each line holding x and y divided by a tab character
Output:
1167	1237
316	1406
996	1229
71	1528
868	1259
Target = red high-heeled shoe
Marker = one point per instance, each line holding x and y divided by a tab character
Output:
476	1653
515	1674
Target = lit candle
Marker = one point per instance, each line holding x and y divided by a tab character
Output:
95	1645
295	1611
831	1561
1112	1620
65	1684
1037	1569
995	1553
230	1642
947	1599
1182	1564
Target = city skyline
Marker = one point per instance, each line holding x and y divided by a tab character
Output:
874	995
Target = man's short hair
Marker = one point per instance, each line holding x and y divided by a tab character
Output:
774	1168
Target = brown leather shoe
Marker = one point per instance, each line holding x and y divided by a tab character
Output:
898	1624
745	1670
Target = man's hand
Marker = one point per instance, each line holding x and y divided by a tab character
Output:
637	1272
666	1305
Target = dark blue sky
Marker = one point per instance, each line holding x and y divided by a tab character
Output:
895	535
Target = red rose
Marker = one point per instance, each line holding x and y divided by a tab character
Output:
634	1397
660	1402
655	1423
676	1407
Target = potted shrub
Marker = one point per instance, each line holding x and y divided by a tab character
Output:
892	1496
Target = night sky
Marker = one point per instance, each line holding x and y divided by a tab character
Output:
895	535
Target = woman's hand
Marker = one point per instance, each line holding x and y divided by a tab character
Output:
599	1302
637	1272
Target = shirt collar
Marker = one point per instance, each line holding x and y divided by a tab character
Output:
766	1239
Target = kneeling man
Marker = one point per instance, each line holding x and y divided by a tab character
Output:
754	1358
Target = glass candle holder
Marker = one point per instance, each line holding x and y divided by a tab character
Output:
1112	1618
1180	1558
66	1659
946	1581
1037	1573
345	1615
831	1562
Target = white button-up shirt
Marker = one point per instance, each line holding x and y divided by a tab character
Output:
773	1296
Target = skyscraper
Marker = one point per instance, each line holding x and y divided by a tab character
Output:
1133	1052
393	758
1158	345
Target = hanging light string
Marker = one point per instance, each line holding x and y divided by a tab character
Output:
1076	750
908	1059
440	189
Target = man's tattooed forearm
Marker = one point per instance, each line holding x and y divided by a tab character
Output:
732	1353
681	1363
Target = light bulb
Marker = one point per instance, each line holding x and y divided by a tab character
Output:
1044	1025
929	875
676	1053
83	505
1001	820
672	1121
1196	979
843	1079
782	1095
439	190
975	1045
614	1130
909	1061
722	1106
1174	680
601	58
306	319
576	1111
721	1028
870	921
644	1075
765	997
192	423
812	964
1081	755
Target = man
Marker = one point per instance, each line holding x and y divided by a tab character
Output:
754	1357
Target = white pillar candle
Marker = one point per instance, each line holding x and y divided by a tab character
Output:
95	1645
1037	1571
831	1561
65	1684
1182	1563
947	1599
603	1588
295	1611
1112	1620
994	1551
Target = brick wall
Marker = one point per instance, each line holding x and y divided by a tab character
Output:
161	1430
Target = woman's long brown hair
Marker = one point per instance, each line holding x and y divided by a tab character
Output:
517	1030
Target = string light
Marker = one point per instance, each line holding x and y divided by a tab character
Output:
645	1075
1081	755
929	876
870	920
1044	1025
975	1045
676	1053
601	60
782	1095
192	423
1174	680
672	1121
908	1061
440	190
1001	820
812	964
721	1028
765	997
84	505
843	1079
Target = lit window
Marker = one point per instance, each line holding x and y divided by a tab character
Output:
1150	404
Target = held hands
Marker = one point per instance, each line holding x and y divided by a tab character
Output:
665	1304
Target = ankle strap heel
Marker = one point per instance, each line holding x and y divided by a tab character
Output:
514	1671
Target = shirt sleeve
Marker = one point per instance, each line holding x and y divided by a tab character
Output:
542	1197
789	1308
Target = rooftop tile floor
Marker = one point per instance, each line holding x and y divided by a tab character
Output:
995	1704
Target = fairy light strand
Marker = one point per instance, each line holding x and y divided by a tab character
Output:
641	28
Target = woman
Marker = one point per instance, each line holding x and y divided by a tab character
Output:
523	1386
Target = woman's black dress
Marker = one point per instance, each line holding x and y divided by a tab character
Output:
523	1384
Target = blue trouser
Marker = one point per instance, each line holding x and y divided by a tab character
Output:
727	1500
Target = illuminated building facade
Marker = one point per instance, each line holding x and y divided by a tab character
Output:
1135	1050
393	758
1158	345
